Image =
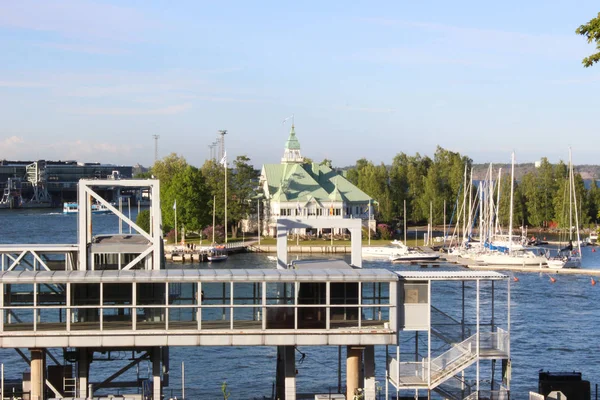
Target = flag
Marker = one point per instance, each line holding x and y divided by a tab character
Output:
175	205
331	209
298	208
223	161
290	117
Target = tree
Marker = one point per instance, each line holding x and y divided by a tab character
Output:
243	186
189	189
591	31
594	201
326	162
143	220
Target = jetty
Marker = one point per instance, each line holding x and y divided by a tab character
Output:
111	292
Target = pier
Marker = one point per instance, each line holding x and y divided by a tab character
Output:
111	292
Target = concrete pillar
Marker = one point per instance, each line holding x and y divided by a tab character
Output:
353	363
290	373
156	384
285	378
369	360
38	379
83	370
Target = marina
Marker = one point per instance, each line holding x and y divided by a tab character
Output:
182	318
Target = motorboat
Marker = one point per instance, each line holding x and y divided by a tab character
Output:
413	255
384	252
73	208
217	253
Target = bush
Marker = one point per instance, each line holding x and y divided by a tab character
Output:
384	232
143	220
207	233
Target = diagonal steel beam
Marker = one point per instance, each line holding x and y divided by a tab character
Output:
135	362
143	255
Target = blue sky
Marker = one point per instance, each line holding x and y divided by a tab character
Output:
94	80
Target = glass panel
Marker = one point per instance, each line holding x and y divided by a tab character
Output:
375	316
18	295
85	294
150	318
344	293
150	294
117	293
85	319
183	293
116	318
247	318
247	293
215	293
311	318
280	293
183	318
215	318
18	319
51	295
343	317
415	293
280	317
375	293
52	319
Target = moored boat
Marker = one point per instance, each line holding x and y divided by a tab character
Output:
73	208
217	253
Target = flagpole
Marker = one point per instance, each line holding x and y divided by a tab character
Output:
225	166
175	222
369	224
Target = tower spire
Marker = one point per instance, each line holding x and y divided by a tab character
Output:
291	153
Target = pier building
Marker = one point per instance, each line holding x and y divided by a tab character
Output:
112	292
39	182
296	189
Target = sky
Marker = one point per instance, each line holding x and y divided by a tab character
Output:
94	80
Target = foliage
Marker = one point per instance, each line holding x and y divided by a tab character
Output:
384	232
226	394
241	184
207	233
143	220
591	31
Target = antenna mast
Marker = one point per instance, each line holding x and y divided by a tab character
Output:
156	137
222	132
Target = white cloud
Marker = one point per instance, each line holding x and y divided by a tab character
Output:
168	110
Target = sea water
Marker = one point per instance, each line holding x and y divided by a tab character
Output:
554	326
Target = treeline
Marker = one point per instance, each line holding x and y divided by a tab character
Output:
195	191
541	197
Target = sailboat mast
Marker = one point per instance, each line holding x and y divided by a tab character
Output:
496	228
512	189
572	184
214	207
225	166
464	210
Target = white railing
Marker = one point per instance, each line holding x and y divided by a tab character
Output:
498	340
458	355
416	369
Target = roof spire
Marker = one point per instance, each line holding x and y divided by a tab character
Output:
291	153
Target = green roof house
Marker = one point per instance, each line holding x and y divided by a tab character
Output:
297	189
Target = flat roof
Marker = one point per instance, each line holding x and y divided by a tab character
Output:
450	275
203	275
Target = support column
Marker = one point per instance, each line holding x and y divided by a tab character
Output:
83	370
290	373
285	381
353	362
156	383
369	356
38	379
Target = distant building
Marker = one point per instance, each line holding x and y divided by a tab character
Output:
294	188
58	178
538	164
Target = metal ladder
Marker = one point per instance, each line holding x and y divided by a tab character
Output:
70	387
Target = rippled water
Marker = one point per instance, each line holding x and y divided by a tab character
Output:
554	326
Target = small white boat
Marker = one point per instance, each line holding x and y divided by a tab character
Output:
593	238
413	255
73	208
217	253
383	251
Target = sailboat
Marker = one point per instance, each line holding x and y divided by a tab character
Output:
569	257
512	256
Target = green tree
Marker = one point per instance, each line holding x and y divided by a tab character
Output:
593	201
539	189
143	220
165	170
243	186
189	189
326	162
591	31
